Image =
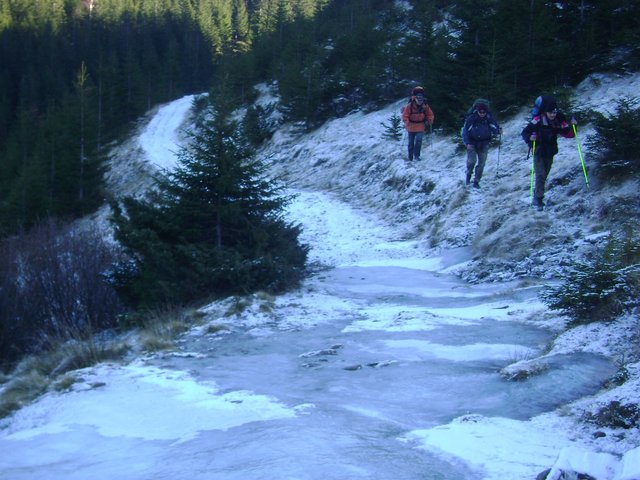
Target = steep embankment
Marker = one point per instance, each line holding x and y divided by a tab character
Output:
428	199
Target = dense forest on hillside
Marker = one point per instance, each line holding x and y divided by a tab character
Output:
76	73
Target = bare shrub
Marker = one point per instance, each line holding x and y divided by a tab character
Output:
53	288
616	415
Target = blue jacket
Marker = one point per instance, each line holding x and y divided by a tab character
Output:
478	131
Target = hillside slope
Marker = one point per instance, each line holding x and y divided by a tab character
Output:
428	199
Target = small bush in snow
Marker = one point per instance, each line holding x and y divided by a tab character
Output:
393	129
615	140
215	226
616	415
601	289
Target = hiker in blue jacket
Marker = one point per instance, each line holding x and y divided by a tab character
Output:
478	129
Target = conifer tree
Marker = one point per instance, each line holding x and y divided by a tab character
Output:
215	225
393	129
241	26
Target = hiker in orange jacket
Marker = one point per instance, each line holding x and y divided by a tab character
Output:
415	115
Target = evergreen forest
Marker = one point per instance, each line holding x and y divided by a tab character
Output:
77	75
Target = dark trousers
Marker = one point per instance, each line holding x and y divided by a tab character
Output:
479	155
542	167
415	144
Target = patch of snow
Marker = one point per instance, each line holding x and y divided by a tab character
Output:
153	413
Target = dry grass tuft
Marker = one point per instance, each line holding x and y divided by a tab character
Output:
36	374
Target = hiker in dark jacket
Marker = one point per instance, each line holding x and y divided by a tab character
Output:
478	129
541	134
415	115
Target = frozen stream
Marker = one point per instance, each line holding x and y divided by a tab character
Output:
324	383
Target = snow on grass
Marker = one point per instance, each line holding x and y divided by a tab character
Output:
167	405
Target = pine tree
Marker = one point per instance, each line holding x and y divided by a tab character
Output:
393	129
614	141
602	288
241	26
215	225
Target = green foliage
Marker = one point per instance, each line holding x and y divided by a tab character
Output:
363	53
393	129
75	74
257	124
615	141
72	81
603	288
214	226
329	58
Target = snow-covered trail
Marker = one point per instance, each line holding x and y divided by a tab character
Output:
161	139
383	365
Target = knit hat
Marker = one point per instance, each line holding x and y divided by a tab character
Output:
418	91
481	107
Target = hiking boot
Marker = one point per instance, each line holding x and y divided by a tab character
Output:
468	180
418	159
476	184
538	203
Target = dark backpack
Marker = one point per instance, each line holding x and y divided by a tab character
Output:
472	109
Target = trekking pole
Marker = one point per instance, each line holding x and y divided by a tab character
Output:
430	135
499	145
584	170
532	149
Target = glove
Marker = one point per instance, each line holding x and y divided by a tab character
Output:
533	137
470	147
573	120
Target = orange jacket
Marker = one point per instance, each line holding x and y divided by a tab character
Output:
414	116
